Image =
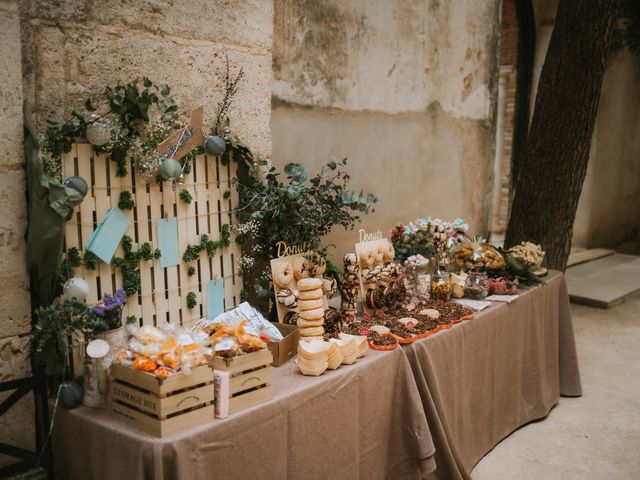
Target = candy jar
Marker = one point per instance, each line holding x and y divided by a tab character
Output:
416	276
441	286
476	285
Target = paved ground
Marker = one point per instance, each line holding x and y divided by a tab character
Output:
596	436
604	282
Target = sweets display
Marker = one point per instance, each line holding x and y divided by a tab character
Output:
300	291
441	287
350	284
477	254
476	286
380	277
503	286
165	351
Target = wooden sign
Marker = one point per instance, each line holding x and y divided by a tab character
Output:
182	141
374	252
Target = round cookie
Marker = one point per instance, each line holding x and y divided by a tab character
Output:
305	284
302	323
283	274
311	331
315	314
310	295
306	305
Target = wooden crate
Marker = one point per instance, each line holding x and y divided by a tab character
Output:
158	406
251	378
163	293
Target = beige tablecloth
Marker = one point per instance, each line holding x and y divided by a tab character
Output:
484	378
361	421
462	390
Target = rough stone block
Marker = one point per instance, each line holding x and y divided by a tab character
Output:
11	91
57	10
15	305
94	58
14	226
14	357
245	22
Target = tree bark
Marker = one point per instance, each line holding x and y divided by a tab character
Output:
556	154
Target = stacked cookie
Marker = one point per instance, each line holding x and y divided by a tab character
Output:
311	308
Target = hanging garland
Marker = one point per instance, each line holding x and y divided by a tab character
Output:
116	122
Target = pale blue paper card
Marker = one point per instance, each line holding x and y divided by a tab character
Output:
106	238
215	298
168	242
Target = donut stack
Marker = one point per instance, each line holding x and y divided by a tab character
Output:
350	284
311	308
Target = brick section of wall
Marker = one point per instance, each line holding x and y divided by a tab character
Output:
508	63
509	34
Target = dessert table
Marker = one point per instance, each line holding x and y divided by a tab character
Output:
431	409
483	379
361	421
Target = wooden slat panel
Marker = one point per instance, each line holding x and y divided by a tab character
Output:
204	273
206	214
170	274
160	299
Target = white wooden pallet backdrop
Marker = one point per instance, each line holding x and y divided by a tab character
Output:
163	296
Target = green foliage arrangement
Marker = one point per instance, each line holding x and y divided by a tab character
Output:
125	201
185	196
192	300
192	252
129	264
298	210
127	109
55	324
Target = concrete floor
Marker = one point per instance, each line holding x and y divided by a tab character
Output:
596	436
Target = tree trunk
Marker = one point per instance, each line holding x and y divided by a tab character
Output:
555	158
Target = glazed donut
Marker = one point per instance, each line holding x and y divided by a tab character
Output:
351	259
389	252
318	270
300	268
290	318
305	284
315	314
306	305
310	294
288	297
302	323
283	274
379	253
311	331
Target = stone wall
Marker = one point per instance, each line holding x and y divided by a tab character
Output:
57	53
406	90
74	48
16	426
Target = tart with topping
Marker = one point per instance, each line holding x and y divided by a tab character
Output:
402	333
424	328
382	342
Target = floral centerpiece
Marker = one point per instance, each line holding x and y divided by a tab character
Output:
426	237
